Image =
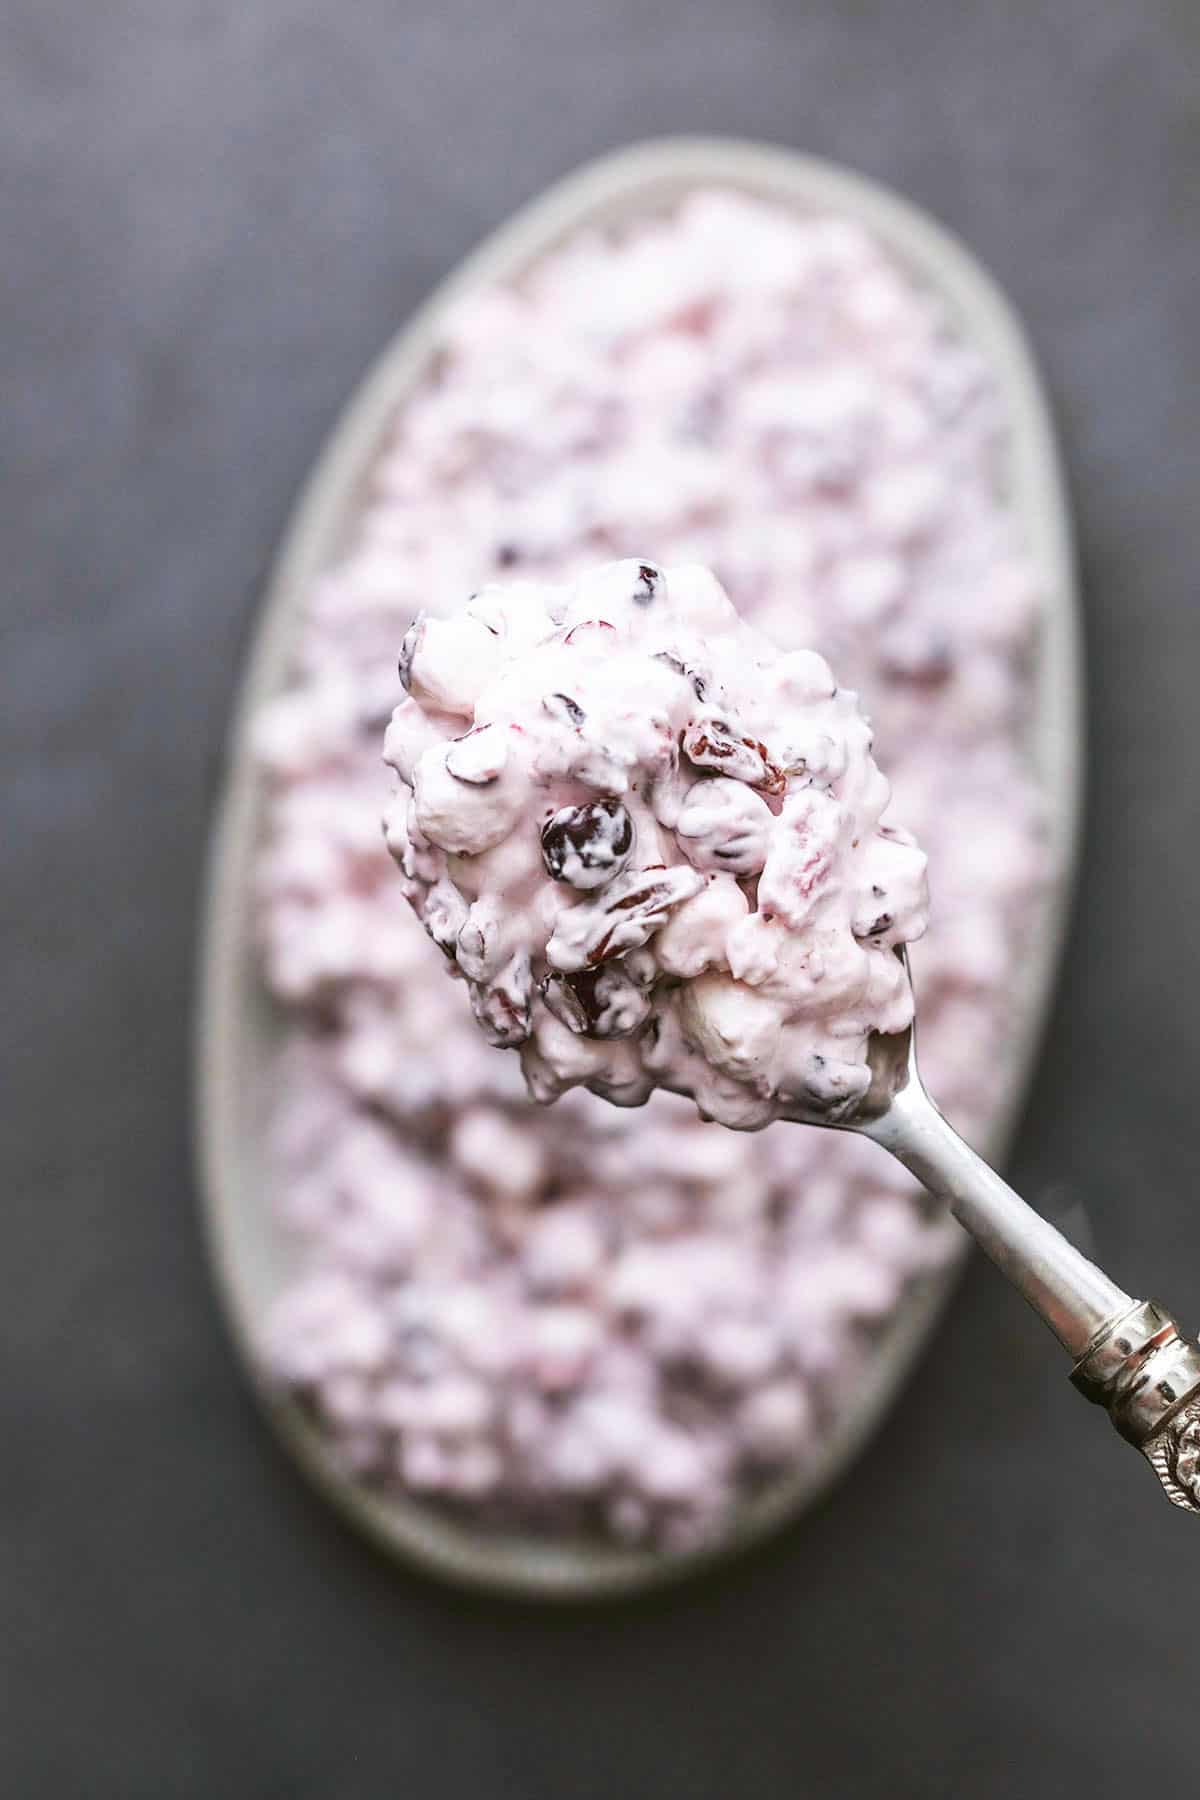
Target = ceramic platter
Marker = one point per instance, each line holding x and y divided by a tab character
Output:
239	1030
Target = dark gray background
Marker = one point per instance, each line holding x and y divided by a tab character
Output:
213	213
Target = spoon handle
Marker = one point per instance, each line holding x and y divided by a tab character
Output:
1130	1356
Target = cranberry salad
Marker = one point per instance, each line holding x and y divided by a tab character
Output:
574	1318
652	845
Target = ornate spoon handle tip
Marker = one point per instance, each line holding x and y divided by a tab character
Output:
1129	1355
1146	1375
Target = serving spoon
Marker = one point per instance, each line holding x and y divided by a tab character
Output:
1129	1355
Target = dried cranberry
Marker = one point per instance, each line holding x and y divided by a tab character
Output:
647	899
600	1003
647	584
712	743
699	684
558	992
587	845
561	706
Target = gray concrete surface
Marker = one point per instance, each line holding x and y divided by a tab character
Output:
212	215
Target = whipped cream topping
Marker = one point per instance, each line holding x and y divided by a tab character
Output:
569	1318
652	845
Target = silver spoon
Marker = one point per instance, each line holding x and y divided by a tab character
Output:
1129	1355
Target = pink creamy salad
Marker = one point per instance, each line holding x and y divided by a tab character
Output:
652	845
575	1318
